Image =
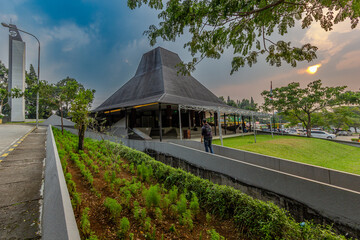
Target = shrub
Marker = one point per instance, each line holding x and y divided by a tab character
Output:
153	196
144	172
208	217
158	213
165	203
172	228
76	199
194	204
173	194
113	207
181	204
124	227
214	235
85	223
147	224
186	219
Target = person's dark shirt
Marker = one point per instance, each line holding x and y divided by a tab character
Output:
204	132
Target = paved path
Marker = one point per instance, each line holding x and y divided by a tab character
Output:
10	133
21	177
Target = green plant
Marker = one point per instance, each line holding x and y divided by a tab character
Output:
173	194
172	228
181	204
194	204
144	172
186	219
153	196
113	207
131	236
158	213
124	227
165	202
85	223
147	224
208	217
214	235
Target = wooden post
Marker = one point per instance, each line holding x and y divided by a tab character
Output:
179	109
160	123
225	123
220	132
215	120
253	123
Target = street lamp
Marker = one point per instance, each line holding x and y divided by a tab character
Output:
38	78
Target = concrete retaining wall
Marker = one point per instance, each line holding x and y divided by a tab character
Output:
58	220
337	204
325	175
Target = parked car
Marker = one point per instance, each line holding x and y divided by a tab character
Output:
293	132
322	134
344	133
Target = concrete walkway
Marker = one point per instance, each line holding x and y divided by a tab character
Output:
11	133
21	179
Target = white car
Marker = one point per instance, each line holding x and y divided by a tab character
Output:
322	134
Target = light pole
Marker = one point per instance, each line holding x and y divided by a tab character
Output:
38	77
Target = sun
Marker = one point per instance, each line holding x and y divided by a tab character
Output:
313	69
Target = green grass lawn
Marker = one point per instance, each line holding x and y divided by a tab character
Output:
306	150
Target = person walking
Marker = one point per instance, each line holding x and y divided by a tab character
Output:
206	136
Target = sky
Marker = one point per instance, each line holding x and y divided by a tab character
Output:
100	44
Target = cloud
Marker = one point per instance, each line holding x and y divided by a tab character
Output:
350	60
70	35
9	18
329	43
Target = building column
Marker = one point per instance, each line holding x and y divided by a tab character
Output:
235	123
189	114
220	132
133	118
160	123
225	123
169	115
215	120
179	109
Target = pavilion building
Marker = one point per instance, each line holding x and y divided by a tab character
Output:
160	103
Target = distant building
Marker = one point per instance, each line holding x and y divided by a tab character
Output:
16	73
148	105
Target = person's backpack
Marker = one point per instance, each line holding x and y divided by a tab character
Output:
207	130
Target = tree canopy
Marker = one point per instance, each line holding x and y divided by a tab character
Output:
5	94
301	103
245	26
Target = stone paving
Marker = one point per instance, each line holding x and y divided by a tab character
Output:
21	180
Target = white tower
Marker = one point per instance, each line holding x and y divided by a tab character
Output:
16	73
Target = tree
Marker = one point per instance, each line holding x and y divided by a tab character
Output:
248	105
245	27
302	103
70	87
79	112
61	95
30	92
5	94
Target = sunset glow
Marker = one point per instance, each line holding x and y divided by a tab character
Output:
313	69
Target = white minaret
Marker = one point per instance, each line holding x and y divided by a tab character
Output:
16	73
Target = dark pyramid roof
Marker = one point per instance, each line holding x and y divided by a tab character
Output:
156	80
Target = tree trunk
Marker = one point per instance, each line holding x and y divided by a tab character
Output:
62	123
308	126
81	137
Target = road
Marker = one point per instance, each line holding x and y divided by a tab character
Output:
346	138
10	133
